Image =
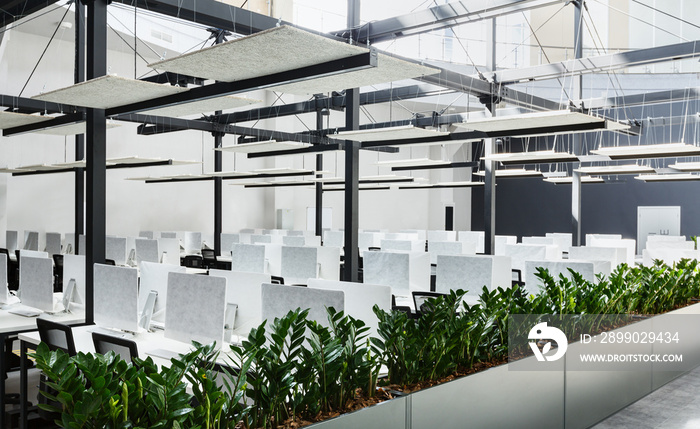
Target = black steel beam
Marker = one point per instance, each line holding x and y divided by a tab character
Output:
311	149
437	186
468	164
60	120
373	188
318	227
174	79
211	13
79	76
96	155
278	185
357	62
436	18
251	176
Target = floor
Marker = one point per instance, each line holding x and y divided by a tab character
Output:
673	406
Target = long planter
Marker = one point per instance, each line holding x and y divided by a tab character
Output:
502	398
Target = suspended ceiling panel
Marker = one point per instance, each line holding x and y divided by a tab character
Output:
530	121
615	169
536	157
686	166
11	119
70	129
287	48
569	180
109	91
664	150
466	184
668	177
135	160
412	162
12	170
203	106
392	133
512	173
266	146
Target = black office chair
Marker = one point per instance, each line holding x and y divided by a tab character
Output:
517	279
402	308
56	336
126	349
420	298
193	261
209	258
57	272
111	262
276	280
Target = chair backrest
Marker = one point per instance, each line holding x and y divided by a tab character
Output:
209	254
56	335
111	262
194	261
419	298
126	349
58	260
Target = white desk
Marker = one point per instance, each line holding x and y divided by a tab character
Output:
13	324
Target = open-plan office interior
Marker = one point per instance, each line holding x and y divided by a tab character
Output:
350	200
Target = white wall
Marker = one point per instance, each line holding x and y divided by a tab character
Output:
45	202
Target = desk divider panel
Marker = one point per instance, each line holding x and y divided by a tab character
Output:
116	297
53	243
334	239
147	250
193	243
629	245
390	269
292	240
36	282
329	258
403	245
477	237
171	246
418	234
81	243
196	308
442	236
168	234
299	263
359	299
590	237
312	240
115	249
471	273
4	291
278	300
146	234
257	238
562	239
11	241
668	256
436	248
248	258
31	240
501	241
74	268
227	241
295	233
587	269
244	289
519	253
585	253
33	254
154	277
69	243
676	245
365	240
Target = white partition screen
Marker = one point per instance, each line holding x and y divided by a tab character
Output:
385	268
116	297
196	308
154	277
245	290
278	300
248	257
74	269
193	243
53	243
299	263
147	250
115	249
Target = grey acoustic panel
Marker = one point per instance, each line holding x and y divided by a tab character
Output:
12	119
299	262
81	244
202	106
115	249
388	269
245	290
196	308
33	253
169	250
248	257
3	272
334	239
294	241
31	240
168	234
146	234
147	250
36	282
116	297
393	133
360	298
108	91
436	248
53	243
278	300
74	269
11	241
260	238
154	277
227	240
401	245
193	243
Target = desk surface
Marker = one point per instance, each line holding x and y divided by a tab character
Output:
14	323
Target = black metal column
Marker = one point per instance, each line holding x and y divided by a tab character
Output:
576	95
319	185
96	151
218	191
352	168
490	166
79	76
